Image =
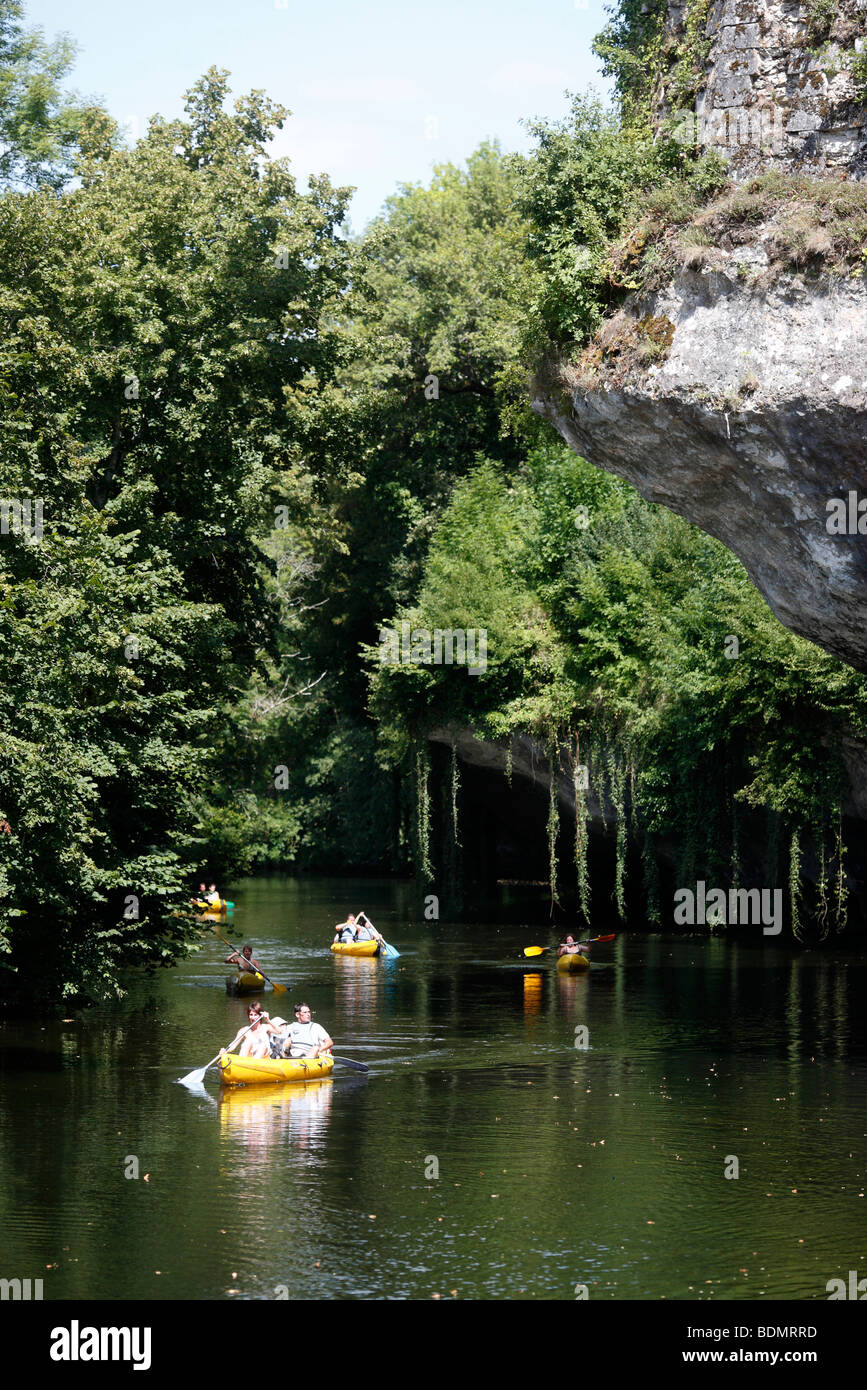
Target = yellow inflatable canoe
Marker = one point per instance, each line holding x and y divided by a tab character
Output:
573	963
243	1071
355	948
246	983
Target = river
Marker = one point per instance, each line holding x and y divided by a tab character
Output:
485	1155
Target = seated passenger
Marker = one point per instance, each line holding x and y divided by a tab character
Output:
305	1038
344	932
279	1037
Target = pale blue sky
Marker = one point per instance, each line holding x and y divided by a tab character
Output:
379	91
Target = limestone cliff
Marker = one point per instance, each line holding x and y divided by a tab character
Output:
750	417
777	80
754	421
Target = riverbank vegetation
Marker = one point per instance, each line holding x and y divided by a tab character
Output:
257	443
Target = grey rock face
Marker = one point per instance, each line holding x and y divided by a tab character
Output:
774	95
755	422
529	761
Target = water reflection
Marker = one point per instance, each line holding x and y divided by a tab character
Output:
260	1116
572	993
533	984
359	983
697	1048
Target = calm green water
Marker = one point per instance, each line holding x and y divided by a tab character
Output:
556	1166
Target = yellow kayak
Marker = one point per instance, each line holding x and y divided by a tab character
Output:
571	964
355	948
248	982
242	1071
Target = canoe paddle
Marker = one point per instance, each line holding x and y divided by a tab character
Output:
254	969
390	952
537	950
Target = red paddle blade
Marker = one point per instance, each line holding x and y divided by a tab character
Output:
605	938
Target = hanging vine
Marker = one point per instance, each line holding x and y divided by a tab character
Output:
795	885
616	780
651	880
553	827
422	772
633	797
822	885
840	884
581	833
456	783
598	761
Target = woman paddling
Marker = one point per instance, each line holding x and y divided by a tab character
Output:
571	947
257	1037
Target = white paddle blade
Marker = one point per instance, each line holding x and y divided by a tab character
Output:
194	1080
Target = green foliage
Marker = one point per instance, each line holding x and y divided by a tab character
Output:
439	290
438	287
819	17
475	578
42	128
689	70
588	179
858	69
581	836
617	632
422	801
150	345
553	823
100	752
650	73
631	49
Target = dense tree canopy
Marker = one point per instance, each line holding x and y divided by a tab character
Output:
427	338
155	323
235	444
609	634
42	127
